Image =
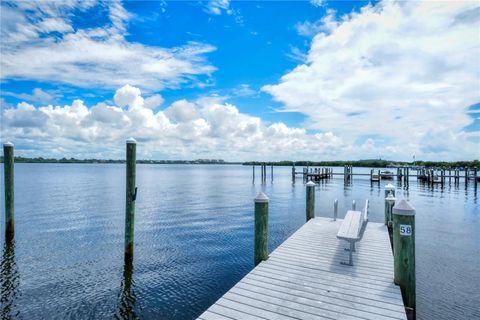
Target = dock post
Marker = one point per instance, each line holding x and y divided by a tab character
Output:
404	251
475	176
271	172
389	203
293	174
466	176
261	228
354	205
253	173
310	200
8	167
389	189
131	195
335	210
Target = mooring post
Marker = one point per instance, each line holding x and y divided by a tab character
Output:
354	205
475	175
310	200
271	172
389	188
389	203
293	174
261	228
404	251
335	210
253	173
466	176
131	195
8	159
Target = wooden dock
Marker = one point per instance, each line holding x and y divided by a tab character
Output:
303	279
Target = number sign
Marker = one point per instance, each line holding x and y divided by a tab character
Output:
405	230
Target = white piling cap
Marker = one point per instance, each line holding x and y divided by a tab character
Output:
261	198
390	197
131	140
311	183
8	144
389	187
403	208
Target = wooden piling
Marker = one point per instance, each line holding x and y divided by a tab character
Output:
253	173
389	203
404	251
261	228
389	188
131	194
310	200
335	210
354	205
8	167
271	172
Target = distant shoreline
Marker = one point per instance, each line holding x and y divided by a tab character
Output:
371	163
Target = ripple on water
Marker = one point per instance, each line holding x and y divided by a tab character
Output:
194	237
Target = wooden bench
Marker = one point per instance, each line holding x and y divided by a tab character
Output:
352	228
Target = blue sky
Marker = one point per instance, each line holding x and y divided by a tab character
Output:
345	79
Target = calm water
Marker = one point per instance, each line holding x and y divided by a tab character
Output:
194	239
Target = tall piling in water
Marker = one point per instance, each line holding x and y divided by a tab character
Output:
130	197
310	200
8	167
335	210
261	228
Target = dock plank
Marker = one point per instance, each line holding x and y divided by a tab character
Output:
303	279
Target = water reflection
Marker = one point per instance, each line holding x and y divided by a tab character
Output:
127	298
9	282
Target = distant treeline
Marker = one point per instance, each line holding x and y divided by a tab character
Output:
73	160
374	163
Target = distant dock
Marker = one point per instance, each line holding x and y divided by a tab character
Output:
430	176
304	279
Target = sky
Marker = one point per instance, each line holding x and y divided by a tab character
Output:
242	80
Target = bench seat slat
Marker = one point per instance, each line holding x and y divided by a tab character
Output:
350	227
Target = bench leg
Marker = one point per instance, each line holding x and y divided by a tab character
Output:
350	249
350	255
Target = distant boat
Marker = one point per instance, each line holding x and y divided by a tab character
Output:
375	177
386	175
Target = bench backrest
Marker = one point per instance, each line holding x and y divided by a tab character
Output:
365	211
363	219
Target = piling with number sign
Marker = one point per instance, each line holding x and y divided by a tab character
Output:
261	228
131	195
310	200
8	158
404	251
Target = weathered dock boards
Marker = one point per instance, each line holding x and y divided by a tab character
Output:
303	279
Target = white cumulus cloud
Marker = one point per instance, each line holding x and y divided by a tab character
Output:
399	73
205	128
